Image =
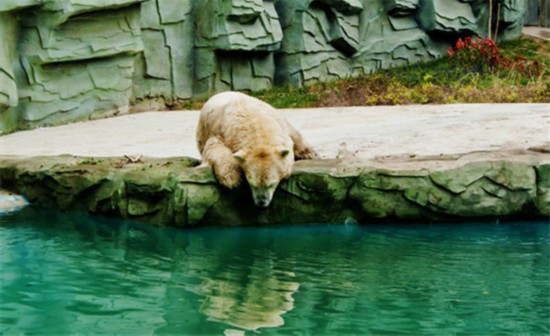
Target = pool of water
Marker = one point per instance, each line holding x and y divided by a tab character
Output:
63	273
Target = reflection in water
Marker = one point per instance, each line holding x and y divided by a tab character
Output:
257	302
78	274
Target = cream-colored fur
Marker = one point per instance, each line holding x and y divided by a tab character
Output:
238	134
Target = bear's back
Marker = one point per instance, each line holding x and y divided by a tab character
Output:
241	120
231	101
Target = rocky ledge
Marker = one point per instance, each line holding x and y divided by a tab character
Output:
174	192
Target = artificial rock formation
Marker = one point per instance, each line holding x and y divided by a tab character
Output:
235	41
165	68
68	60
174	192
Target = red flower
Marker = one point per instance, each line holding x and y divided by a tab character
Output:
450	52
459	44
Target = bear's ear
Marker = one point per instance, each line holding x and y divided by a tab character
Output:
284	153
239	155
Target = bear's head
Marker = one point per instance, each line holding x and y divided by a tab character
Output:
264	168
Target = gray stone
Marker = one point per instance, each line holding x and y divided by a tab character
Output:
77	61
165	70
8	87
401	7
234	41
447	16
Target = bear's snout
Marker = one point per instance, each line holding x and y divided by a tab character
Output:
262	197
262	201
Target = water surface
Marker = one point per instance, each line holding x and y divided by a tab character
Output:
64	273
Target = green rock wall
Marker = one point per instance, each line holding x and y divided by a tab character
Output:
9	97
165	68
69	60
235	41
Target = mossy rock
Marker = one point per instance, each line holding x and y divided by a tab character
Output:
178	192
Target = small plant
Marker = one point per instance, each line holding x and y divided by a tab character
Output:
527	68
479	55
483	56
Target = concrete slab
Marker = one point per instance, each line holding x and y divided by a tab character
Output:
361	132
538	32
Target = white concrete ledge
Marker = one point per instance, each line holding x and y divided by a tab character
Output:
362	132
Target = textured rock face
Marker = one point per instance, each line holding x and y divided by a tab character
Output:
70	60
165	68
173	192
235	40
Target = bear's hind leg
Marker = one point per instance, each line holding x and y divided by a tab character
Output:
302	151
226	167
305	152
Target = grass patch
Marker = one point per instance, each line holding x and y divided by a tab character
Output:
436	82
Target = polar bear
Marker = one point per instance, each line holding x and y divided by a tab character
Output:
240	135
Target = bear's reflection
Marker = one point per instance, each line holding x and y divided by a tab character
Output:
257	301
245	292
229	276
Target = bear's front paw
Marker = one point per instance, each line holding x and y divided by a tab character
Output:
230	181
228	175
307	153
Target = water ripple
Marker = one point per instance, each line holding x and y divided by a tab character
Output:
75	274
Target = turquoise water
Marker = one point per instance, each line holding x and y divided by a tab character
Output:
79	274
